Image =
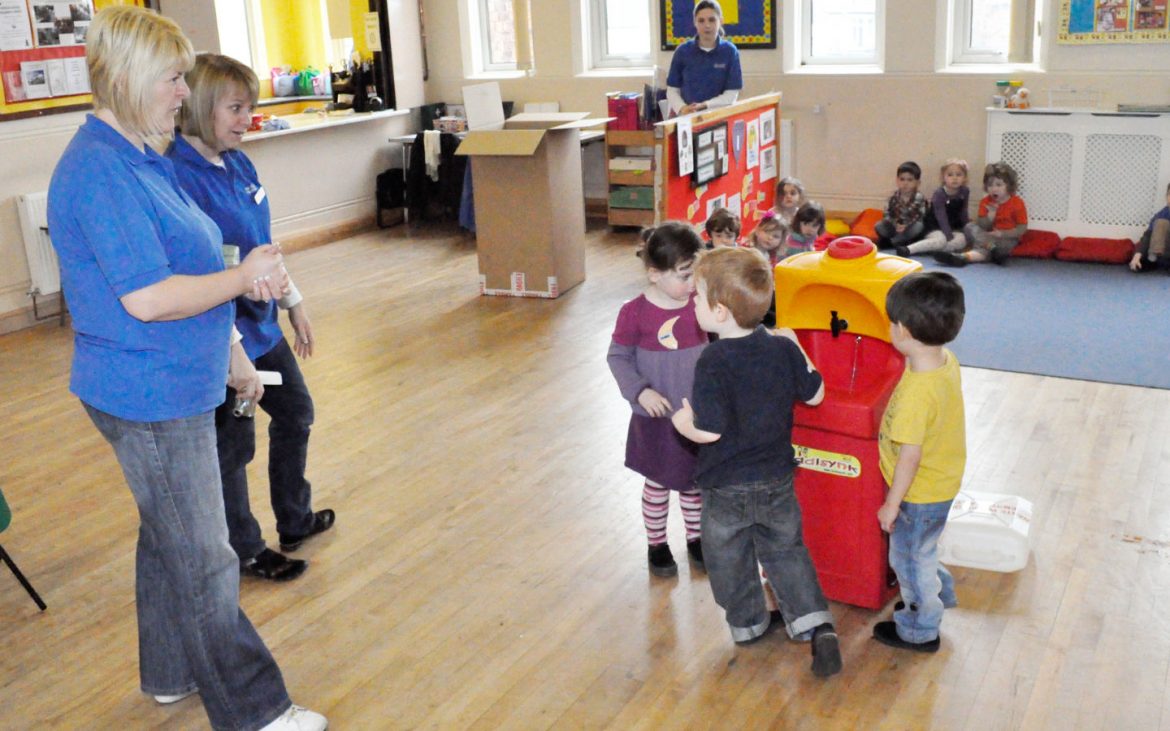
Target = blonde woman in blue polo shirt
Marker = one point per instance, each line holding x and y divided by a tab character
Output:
223	182
143	275
704	71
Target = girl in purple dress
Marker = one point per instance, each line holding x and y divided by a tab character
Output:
655	346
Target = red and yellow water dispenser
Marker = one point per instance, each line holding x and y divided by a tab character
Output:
835	300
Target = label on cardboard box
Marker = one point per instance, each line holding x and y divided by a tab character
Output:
517	288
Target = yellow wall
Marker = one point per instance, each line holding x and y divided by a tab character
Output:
293	34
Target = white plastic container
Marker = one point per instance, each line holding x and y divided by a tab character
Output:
987	531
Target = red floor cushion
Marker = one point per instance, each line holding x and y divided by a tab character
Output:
1088	248
864	223
1037	244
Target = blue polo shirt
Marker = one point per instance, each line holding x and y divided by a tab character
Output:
120	222
701	75
233	197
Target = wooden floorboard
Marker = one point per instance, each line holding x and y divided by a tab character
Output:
488	565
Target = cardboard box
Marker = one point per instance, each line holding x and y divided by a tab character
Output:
529	203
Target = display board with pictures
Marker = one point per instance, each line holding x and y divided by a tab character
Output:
42	54
710	153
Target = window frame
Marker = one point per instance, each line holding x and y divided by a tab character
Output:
1023	41
804	57
479	18
597	27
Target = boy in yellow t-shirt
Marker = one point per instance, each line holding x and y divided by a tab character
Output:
923	450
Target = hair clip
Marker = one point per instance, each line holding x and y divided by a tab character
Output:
768	214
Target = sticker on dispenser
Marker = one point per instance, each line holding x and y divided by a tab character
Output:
830	463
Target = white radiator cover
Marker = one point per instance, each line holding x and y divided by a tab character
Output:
44	273
1083	172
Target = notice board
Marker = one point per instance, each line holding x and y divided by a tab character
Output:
42	55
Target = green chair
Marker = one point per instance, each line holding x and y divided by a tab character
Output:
5	519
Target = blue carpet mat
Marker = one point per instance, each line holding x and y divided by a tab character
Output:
1093	322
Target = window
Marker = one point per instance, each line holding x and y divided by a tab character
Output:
841	31
497	35
992	31
619	33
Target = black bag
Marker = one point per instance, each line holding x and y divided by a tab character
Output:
389	191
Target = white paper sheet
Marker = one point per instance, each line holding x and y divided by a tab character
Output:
15	34
686	158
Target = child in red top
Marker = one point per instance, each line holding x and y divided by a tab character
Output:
1003	219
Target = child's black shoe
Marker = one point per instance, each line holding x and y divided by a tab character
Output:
903	251
695	550
887	634
1000	256
826	651
662	561
950	259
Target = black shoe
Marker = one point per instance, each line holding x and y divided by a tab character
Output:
662	561
273	566
322	521
887	634
950	259
1000	256
826	651
775	620
903	251
695	550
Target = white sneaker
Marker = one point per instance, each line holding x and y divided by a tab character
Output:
166	700
297	718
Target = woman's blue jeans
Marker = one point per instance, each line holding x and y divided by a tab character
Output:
291	410
927	586
192	633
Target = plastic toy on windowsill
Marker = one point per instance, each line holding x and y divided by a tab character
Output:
1020	100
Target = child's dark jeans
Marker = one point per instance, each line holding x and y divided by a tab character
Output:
926	584
760	521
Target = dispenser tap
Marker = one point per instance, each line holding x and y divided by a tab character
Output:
837	325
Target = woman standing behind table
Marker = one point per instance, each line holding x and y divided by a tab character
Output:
224	183
143	276
704	71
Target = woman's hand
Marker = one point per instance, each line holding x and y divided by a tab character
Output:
262	274
303	345
242	375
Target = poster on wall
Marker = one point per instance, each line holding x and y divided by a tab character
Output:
748	23
686	160
753	143
15	34
1113	21
60	24
767	163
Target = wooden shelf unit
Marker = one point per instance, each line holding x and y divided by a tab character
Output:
617	144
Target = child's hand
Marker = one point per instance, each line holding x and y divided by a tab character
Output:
887	514
655	403
684	418
1136	262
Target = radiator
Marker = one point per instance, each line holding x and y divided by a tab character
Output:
44	273
1083	172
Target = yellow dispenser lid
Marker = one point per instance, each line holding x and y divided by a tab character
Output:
850	278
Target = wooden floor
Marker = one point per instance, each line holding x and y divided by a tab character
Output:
488	566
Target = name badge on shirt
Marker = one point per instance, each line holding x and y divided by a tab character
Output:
259	195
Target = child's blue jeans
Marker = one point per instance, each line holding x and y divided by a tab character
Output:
927	586
760	521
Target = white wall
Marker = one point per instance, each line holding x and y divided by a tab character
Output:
314	179
846	155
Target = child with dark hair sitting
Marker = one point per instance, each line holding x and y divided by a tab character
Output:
904	222
1152	246
722	228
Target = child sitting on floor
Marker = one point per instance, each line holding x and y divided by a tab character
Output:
722	228
769	236
1003	219
789	197
746	386
1152	246
905	211
947	216
807	225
